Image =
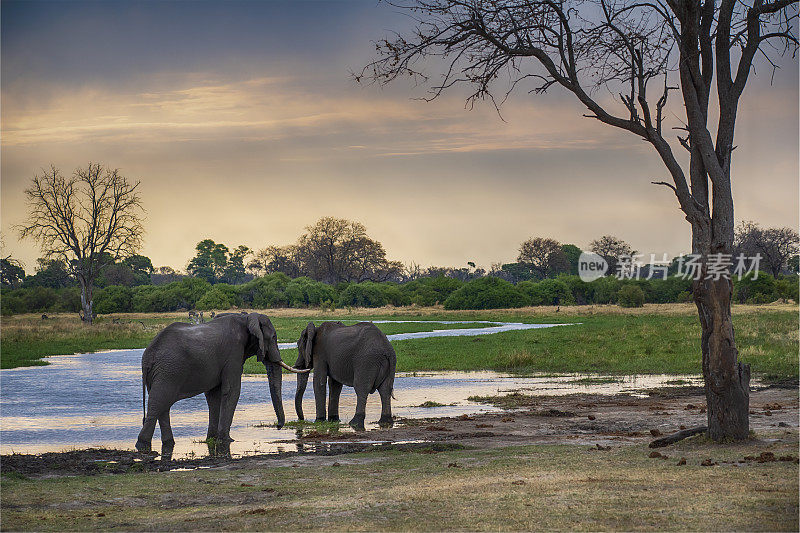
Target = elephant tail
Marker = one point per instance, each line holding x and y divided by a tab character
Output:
389	367
144	404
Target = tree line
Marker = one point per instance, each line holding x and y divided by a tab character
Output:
277	290
90	230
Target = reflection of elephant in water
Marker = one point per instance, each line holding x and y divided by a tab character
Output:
185	360
358	356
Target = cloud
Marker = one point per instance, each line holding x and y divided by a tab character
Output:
275	108
253	160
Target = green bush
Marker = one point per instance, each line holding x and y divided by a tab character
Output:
113	299
604	290
430	291
752	290
582	292
188	290
787	288
485	293
365	294
672	289
265	292
305	292
217	298
546	292
630	295
39	299
394	295
12	302
68	300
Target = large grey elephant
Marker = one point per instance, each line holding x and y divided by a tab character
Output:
185	360
359	356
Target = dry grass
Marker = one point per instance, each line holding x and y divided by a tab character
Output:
413	310
520	488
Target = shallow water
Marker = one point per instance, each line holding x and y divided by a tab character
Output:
95	399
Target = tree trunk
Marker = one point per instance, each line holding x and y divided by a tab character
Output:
87	301
727	381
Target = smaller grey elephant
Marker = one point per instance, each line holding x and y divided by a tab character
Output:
359	356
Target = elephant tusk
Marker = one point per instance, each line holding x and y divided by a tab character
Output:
293	369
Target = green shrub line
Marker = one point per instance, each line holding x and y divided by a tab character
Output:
279	291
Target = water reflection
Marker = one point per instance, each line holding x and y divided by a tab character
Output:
95	399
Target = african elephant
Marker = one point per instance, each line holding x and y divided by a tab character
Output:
185	360
358	356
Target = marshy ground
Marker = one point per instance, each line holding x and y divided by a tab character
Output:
567	462
575	462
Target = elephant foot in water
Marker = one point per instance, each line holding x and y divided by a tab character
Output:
357	422
143	446
167	447
220	447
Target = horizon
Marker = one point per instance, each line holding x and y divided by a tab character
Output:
244	126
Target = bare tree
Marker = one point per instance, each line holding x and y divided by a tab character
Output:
276	259
775	245
88	220
640	50
543	256
611	248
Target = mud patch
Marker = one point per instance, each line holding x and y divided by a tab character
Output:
96	461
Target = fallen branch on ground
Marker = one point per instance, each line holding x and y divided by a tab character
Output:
675	437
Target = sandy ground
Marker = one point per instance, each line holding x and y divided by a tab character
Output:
583	419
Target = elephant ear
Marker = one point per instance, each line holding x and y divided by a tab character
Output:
254	327
309	346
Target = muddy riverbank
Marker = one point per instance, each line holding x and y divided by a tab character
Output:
594	420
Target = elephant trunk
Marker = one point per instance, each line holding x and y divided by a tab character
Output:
302	381
275	377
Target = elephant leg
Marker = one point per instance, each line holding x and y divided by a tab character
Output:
167	441
357	421
385	391
160	399
320	377
230	397
214	401
333	399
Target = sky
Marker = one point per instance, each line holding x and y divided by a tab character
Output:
244	125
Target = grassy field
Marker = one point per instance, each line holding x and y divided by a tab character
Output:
564	487
653	339
26	339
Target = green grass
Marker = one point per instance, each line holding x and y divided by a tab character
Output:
429	403
611	344
546	487
26	340
609	340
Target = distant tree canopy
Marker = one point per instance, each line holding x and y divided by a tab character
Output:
333	250
611	248
216	263
337	249
11	272
543	256
777	246
52	273
274	259
130	272
573	254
